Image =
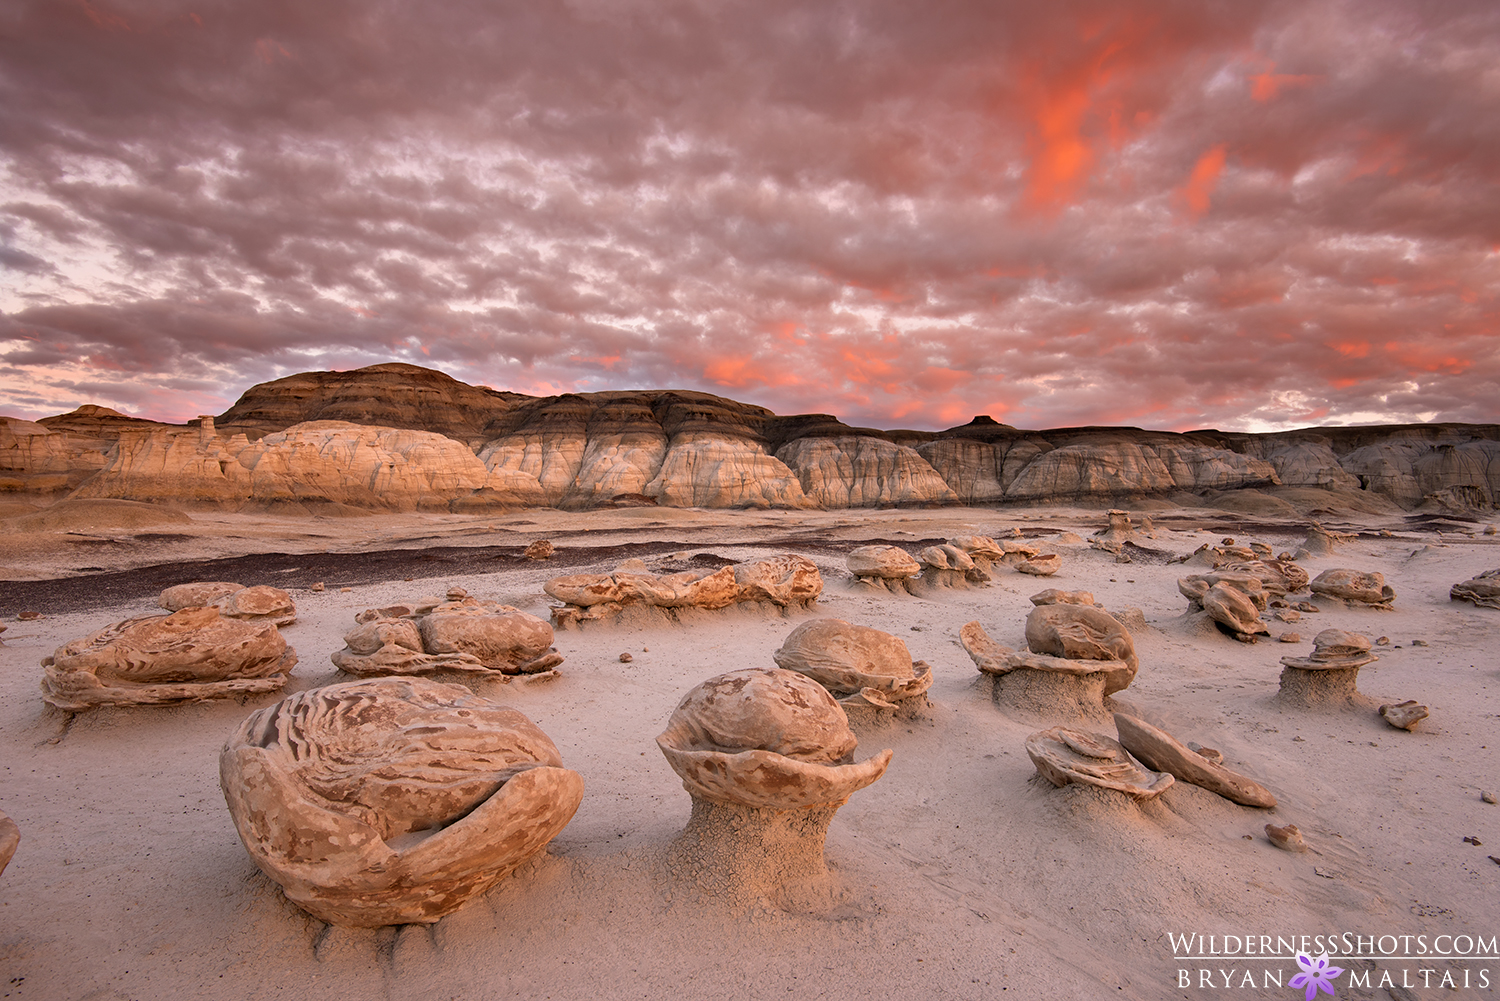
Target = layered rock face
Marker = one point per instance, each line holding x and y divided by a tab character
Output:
399	437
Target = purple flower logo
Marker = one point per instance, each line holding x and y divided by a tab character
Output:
1317	974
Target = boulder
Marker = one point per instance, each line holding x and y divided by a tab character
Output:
261	603
392	801
1355	587
1328	678
882	563
1483	590
186	656
1083	632
1158	749
1403	715
787	580
854	662
1064	756
1052	596
461	634
1041	566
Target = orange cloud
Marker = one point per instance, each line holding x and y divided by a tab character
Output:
1204	178
1352	349
103	19
1265	86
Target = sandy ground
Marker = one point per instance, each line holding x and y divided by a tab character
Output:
962	873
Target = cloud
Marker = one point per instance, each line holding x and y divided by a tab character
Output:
1159	213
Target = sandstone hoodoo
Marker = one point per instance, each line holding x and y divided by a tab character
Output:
186	656
1064	756
780	583
392	801
1483	590
1327	678
768	758
859	665
481	638
881	566
261	603
1078	655
1155	748
399	437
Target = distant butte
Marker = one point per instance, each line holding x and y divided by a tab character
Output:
401	437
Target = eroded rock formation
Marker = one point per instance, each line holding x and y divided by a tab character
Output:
260	603
1064	756
1355	587
1155	748
859	665
10	839
186	656
783	582
461	634
1483	590
1327	678
767	756
392	801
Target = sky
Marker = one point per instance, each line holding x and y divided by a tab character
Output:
1241	214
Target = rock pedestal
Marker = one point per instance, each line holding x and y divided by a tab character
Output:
1326	679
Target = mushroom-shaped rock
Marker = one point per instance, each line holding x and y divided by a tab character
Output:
1113	536
1083	632
981	546
1403	715
946	557
767	756
859	665
1355	587
1041	566
1483	590
1063	756
882	563
481	637
1321	542
392	800
1043	685
1017	553
261	603
1155	748
1328	677
10	838
186	656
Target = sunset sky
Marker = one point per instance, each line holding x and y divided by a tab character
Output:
1175	215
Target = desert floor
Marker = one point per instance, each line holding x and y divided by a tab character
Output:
962	874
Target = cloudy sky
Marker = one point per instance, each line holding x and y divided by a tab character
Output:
1175	215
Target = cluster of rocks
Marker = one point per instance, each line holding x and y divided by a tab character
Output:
961	561
786	582
458	634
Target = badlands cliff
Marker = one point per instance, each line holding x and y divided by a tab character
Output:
400	437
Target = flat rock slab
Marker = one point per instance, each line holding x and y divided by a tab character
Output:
1065	756
1483	590
1160	750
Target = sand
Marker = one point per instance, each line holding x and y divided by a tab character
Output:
960	874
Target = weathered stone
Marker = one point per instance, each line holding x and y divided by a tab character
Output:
852	660
1083	632
10	839
786	580
766	738
261	603
1063	756
1483	590
1321	542
1041	684
186	656
882	562
1052	596
1354	586
979	545
1160	750
946	557
480	637
1230	606
392	801
1404	715
541	549
1041	566
1287	838
1327	679
1276	576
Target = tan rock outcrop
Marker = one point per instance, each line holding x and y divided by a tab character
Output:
1483	590
186	656
702	469
863	472
461	634
392	801
1155	748
882	563
859	665
1355	587
1064	756
767	756
1327	679
786	581
970	468
261	603
1083	632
